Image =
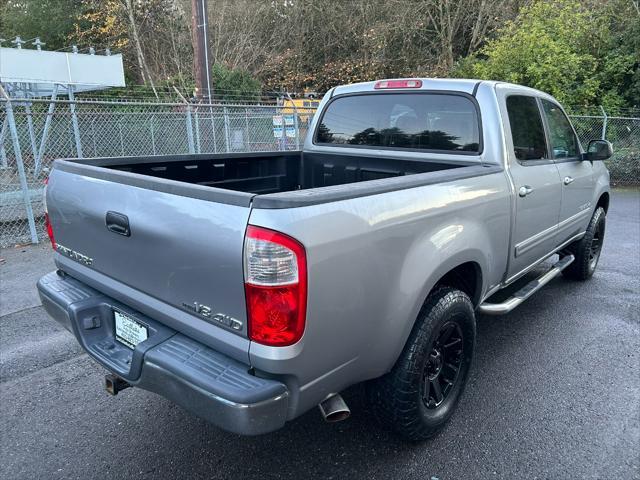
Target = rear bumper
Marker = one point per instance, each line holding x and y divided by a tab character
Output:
203	381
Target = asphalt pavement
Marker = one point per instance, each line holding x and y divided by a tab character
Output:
554	393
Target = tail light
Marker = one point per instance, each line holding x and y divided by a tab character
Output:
47	223
388	84
275	269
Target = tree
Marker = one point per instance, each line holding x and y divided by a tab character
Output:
562	47
620	75
51	20
153	36
585	52
133	30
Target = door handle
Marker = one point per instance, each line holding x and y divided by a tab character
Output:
118	223
567	180
525	190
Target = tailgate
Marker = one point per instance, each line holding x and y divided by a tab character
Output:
181	248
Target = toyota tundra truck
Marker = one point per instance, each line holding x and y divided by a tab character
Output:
249	288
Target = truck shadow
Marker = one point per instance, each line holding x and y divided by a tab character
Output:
507	356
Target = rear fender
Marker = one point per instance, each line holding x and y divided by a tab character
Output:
431	258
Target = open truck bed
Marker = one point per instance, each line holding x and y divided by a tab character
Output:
270	172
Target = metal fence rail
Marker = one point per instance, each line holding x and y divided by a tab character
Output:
36	132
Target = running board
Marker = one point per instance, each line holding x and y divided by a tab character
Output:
526	291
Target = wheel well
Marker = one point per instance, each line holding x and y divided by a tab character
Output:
466	277
603	202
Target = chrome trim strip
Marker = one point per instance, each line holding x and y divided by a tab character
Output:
540	237
515	277
535	240
568	222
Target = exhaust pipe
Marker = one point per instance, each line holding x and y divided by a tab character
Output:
114	384
334	408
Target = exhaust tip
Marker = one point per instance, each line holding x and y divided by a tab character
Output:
334	409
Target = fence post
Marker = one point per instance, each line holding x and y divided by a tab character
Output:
213	130
190	129
197	124
604	123
295	122
93	137
226	129
21	173
47	127
74	121
153	134
246	128
283	139
3	153
189	124
32	136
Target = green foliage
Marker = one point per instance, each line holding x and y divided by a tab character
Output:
51	20
584	52
562	48
624	27
229	84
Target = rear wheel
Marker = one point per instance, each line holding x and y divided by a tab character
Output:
587	250
419	395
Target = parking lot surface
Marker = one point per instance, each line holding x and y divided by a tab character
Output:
554	393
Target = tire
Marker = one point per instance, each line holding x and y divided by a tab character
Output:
406	399
587	250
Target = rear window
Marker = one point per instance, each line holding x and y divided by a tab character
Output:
420	121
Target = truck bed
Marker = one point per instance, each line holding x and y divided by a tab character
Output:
272	172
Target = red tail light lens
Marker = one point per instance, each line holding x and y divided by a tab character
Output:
47	223
275	269
388	84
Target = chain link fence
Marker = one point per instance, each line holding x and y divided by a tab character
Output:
35	133
43	131
624	134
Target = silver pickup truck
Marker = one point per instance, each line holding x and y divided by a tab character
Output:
249	288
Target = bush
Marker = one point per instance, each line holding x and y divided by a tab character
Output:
624	167
234	85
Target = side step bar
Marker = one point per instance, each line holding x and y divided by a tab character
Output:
526	291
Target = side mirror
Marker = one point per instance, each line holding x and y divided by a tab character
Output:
599	150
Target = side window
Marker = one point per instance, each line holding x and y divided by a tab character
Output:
563	139
526	128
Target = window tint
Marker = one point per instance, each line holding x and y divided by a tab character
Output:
526	128
402	120
563	139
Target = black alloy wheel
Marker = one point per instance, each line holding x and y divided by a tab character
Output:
442	366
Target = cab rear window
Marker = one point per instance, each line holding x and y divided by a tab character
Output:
410	121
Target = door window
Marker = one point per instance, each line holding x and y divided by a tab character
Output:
563	139
527	130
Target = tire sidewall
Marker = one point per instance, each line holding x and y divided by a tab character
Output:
598	219
460	311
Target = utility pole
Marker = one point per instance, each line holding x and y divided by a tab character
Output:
200	49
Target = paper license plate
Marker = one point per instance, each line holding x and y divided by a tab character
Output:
128	331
